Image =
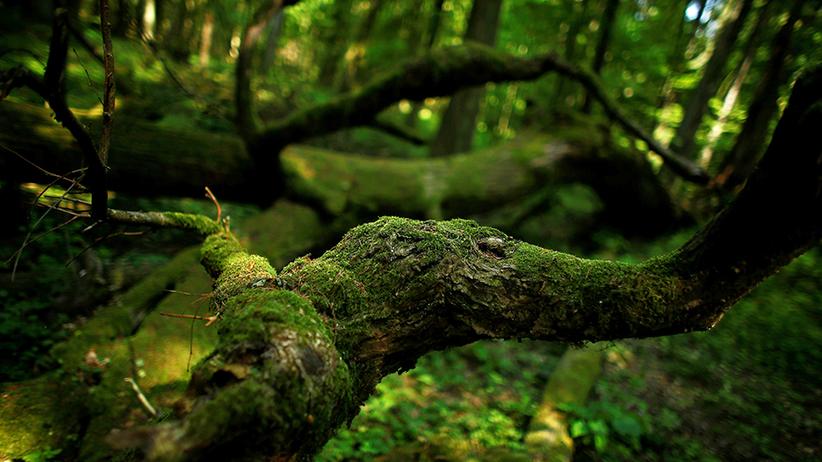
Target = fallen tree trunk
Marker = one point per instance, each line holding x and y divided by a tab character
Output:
147	160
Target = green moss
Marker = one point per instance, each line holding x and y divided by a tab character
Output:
199	223
215	251
40	414
239	271
276	380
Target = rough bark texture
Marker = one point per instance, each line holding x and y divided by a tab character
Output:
299	351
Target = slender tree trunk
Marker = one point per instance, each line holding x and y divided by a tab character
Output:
175	42
685	139
121	19
740	162
608	18
206	34
275	27
160	10
149	19
431	38
456	130
243	99
676	60
748	56
139	14
570	47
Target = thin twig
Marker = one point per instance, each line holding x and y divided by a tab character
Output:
210	195
19	253
209	319
101	239
141	397
41	169
44	233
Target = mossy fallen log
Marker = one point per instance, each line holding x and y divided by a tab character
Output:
148	160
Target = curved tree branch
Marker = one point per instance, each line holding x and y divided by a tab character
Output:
440	73
299	351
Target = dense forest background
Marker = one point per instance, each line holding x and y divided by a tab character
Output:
650	124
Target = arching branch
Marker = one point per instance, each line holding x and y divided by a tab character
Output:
441	73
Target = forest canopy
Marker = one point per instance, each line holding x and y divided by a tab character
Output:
229	226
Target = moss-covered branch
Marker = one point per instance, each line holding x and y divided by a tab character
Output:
300	350
440	73
192	222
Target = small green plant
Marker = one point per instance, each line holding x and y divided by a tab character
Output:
606	426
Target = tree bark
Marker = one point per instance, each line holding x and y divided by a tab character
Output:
728	103
243	100
299	351
456	132
685	139
740	162
206	32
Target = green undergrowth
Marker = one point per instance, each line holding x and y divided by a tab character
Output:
468	403
754	379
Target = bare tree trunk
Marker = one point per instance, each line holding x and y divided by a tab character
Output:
206	34
676	60
732	95
431	38
456	130
139	14
685	139
275	27
121	20
608	18
740	162
149	19
571	46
